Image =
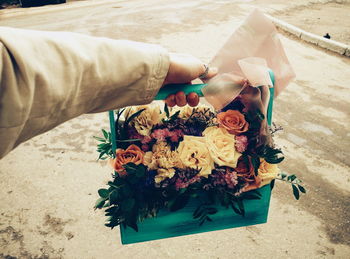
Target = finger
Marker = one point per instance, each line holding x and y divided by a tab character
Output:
180	99
170	100
213	71
192	99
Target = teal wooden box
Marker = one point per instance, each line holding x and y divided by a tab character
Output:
171	224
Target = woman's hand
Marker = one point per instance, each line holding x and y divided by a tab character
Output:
182	70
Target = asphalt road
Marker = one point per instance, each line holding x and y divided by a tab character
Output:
48	185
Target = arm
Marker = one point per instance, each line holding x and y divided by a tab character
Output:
47	78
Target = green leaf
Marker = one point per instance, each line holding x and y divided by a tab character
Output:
103	193
128	140
133	225
291	177
113	196
125	191
295	192
174	116
180	202
241	206
301	188
107	204
113	185
235	208
198	212
127	204
99	139
211	211
251	196
105	134
101	155
138	170
255	192
166	109
256	163
99	203
127	121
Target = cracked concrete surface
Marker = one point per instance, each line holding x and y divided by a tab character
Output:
48	185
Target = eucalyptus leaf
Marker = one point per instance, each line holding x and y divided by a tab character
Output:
180	202
103	193
301	188
295	192
99	203
291	177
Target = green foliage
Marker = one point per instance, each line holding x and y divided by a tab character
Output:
105	145
179	202
297	188
202	213
166	110
254	117
127	200
121	199
270	154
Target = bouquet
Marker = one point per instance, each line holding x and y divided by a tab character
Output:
166	157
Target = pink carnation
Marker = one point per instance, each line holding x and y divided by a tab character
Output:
231	179
160	134
241	143
146	140
184	183
175	135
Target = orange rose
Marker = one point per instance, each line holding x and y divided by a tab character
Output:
133	154
233	121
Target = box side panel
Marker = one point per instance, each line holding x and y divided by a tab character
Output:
170	224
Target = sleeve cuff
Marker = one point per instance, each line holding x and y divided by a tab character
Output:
157	76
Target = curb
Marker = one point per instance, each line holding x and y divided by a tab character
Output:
332	45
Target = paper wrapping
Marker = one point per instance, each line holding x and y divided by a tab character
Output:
248	54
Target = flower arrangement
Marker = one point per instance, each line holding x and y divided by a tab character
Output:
166	157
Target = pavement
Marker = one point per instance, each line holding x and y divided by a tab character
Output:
48	184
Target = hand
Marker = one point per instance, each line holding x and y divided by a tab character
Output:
183	69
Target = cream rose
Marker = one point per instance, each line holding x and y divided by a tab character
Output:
221	146
193	153
162	159
267	172
144	122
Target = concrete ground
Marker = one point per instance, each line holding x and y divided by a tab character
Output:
319	18
48	185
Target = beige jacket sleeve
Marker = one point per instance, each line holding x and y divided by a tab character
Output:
47	78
